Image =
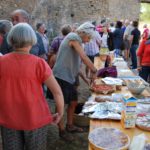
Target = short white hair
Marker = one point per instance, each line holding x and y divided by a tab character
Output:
21	35
87	28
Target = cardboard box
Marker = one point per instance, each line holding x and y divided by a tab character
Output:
129	112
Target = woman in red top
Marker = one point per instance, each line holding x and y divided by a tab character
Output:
143	56
24	112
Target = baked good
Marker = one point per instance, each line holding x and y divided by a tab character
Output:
103	98
109	138
143	121
103	88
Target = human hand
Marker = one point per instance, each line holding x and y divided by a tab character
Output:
139	68
56	118
93	75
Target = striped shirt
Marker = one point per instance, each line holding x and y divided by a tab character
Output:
92	48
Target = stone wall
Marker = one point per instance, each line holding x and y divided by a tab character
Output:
55	13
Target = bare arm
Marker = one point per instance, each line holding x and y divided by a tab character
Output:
138	61
78	48
57	93
52	60
81	74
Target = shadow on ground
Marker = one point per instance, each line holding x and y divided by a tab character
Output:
55	143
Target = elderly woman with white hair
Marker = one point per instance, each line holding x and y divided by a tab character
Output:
67	67
24	112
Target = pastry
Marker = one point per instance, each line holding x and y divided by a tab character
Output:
143	121
109	138
102	88
103	98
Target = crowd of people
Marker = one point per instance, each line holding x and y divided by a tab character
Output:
126	39
29	63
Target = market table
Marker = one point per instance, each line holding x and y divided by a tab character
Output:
116	124
95	123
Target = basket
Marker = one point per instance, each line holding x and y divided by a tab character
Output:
79	120
82	121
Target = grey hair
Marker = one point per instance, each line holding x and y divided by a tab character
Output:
5	26
21	35
23	13
86	28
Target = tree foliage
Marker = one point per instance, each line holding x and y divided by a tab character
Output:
145	12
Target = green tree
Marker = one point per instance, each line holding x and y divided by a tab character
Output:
145	12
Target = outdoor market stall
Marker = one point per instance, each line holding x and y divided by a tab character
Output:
110	120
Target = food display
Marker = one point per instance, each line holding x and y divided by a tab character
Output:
124	72
135	79
109	139
112	105
104	110
102	88
112	81
143	121
103	98
143	108
144	101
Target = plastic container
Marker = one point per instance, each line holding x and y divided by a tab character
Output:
135	88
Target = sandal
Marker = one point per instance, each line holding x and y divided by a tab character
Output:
74	129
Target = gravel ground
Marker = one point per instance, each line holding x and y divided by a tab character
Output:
80	139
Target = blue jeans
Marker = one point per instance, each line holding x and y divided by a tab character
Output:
145	72
133	55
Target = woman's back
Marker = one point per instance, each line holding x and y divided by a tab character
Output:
21	78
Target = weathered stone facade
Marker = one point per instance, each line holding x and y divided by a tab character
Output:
57	12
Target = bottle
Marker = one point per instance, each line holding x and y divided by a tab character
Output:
108	61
